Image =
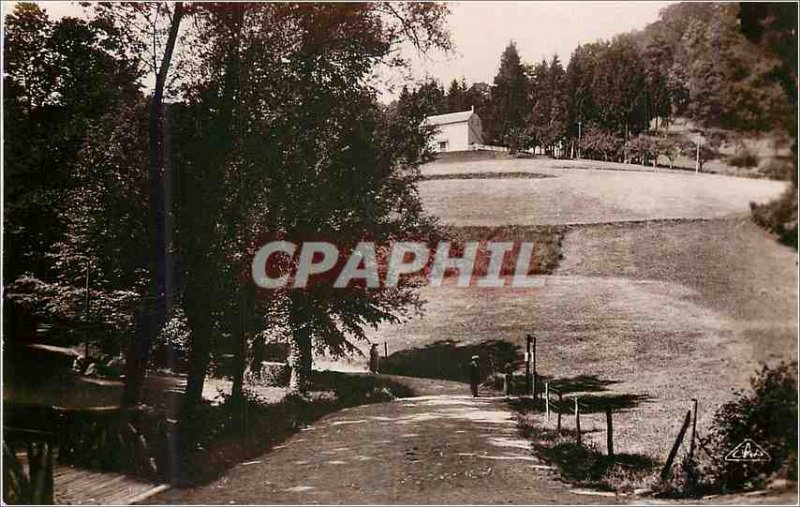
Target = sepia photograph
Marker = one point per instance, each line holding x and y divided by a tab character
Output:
399	252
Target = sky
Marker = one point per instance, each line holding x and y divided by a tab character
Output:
481	30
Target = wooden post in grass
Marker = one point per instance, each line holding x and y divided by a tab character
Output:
558	417
665	472
535	376
694	427
385	350
577	421
609	432
547	399
528	388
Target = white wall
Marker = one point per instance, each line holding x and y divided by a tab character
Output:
455	134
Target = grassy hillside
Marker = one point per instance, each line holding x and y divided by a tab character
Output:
577	195
650	316
643	315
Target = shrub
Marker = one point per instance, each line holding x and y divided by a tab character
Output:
743	158
778	168
171	347
779	216
768	416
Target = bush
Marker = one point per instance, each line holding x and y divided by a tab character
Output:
743	158
778	168
170	348
274	374
768	416
779	216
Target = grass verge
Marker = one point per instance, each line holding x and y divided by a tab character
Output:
583	463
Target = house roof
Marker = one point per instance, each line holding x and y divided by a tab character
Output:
444	119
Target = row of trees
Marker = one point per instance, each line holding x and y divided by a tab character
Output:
692	63
262	125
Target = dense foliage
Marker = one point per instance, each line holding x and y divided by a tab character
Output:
118	205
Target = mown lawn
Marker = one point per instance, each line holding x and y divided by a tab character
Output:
579	195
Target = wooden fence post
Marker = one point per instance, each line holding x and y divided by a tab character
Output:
609	432
558	417
694	427
665	472
535	375
528	386
385	350
577	421
547	399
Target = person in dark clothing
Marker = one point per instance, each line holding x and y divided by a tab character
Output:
374	358
507	376
474	376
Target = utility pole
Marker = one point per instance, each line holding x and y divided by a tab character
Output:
579	139
697	158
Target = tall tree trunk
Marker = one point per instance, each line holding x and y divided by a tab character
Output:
245	332
138	352
136	359
199	317
300	360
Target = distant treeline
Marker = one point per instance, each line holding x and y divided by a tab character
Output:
694	62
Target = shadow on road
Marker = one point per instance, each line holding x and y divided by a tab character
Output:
449	360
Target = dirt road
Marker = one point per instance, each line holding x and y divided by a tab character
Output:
437	448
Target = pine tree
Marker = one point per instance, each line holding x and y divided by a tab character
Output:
509	99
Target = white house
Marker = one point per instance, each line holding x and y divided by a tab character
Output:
455	131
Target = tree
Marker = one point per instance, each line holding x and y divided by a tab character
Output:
509	97
64	80
644	149
338	166
598	143
60	77
549	116
578	83
105	225
773	27
458	98
617	87
431	96
656	60
153	29
670	148
541	99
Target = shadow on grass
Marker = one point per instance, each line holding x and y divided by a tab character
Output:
448	360
230	433
587	466
583	463
583	386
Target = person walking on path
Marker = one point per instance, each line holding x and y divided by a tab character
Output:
474	376
374	358
507	375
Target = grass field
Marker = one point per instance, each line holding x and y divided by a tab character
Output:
579	195
645	316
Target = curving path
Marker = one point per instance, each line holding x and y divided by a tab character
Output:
436	448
